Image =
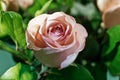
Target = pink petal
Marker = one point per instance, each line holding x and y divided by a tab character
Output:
81	35
30	42
55	15
112	17
68	60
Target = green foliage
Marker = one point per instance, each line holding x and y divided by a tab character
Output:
91	50
37	6
114	38
12	25
43	8
73	72
111	50
114	66
19	72
2	31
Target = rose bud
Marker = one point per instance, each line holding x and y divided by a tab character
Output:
12	5
56	39
24	4
110	12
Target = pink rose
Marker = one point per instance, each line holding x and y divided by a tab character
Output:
110	12
24	4
56	39
11	5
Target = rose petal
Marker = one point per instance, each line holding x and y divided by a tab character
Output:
112	17
70	20
51	43
39	42
30	42
36	23
81	35
104	5
56	15
25	3
55	59
68	60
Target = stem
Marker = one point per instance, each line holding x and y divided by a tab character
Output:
44	8
8	48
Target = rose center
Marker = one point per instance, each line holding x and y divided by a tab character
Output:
57	30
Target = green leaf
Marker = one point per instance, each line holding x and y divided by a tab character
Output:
73	72
36	6
19	72
91	50
13	26
2	31
114	38
6	24
97	69
114	65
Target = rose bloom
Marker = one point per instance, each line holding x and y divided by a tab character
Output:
24	4
56	39
110	10
13	5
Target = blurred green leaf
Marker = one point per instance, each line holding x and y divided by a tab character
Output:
19	72
73	72
13	26
114	38
114	65
89	10
91	50
36	6
2	31
97	69
67	4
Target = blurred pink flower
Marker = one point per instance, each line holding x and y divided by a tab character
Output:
56	39
24	4
110	10
13	5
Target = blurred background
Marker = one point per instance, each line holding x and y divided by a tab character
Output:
6	61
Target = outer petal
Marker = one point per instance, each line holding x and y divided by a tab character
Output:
70	58
112	17
56	15
81	35
30	42
33	27
56	59
80	38
104	5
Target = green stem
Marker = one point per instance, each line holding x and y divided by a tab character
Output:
44	8
8	48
